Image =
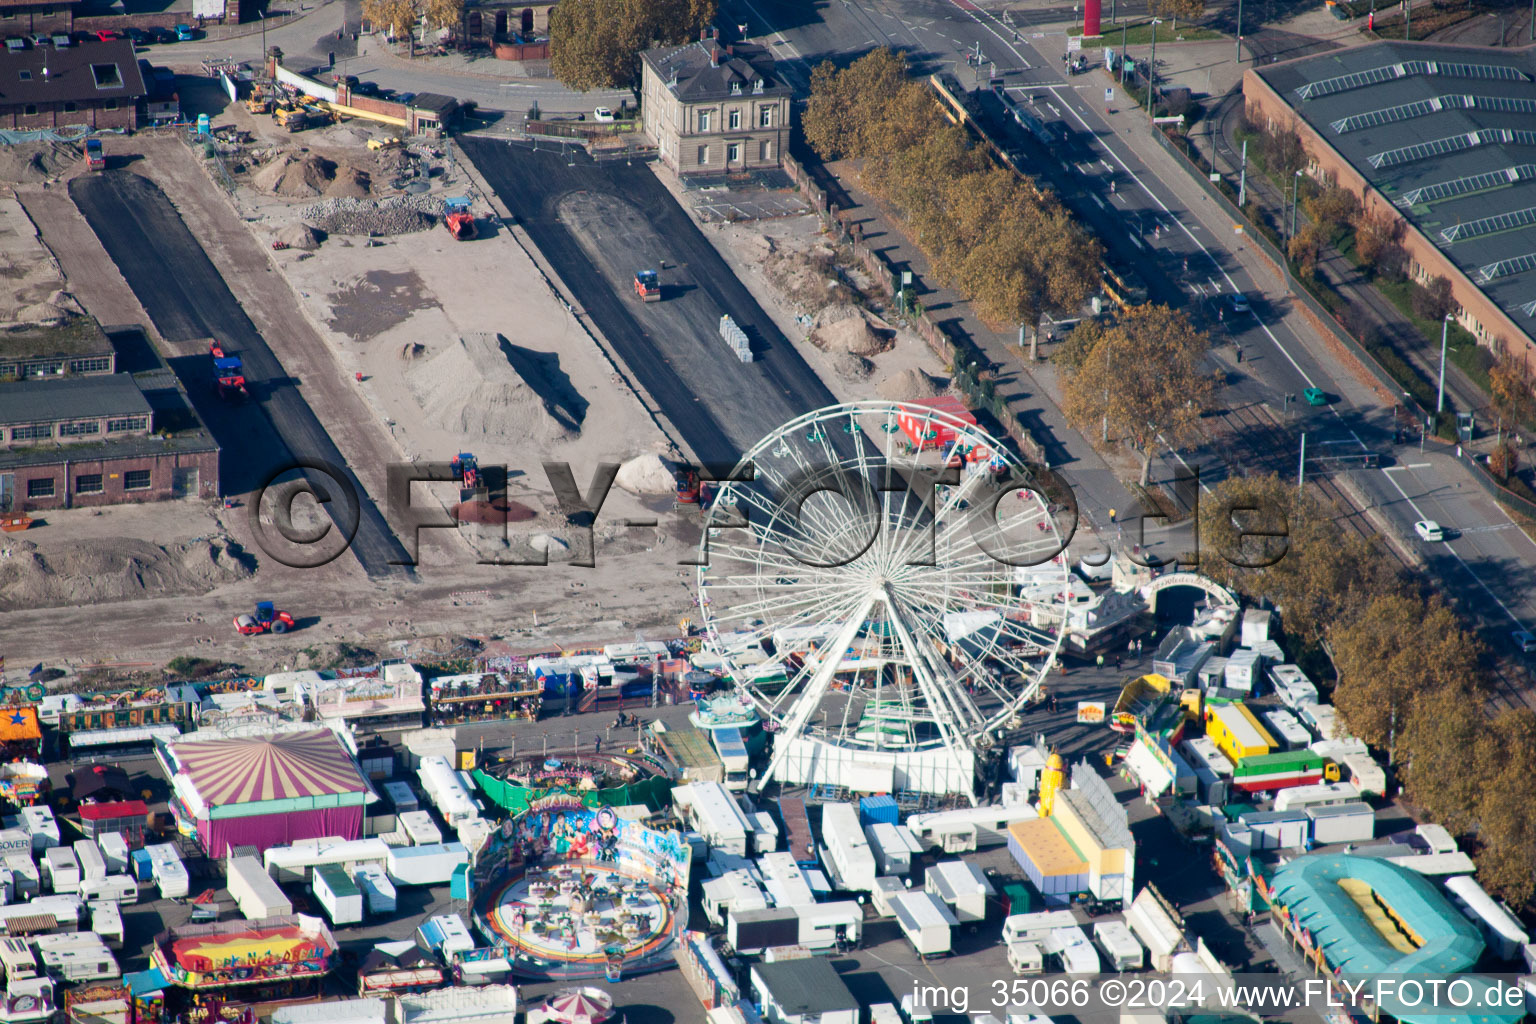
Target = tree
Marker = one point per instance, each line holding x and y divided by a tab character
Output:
1503	460
1074	349
1395	647
442	13
1433	301
1509	391
1332	208
1265	539
1305	247
1176	9
1144	379
397	17
1440	747
1375	232
1283	150
596	43
870	108
1506	829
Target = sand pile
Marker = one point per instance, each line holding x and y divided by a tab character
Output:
851	367
495	511
397	215
296	177
37	161
469	387
91	571
853	335
301	236
910	385
645	474
349	181
56	309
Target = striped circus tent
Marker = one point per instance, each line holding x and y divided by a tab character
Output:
266	791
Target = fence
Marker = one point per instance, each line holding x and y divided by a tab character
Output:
966	361
580	129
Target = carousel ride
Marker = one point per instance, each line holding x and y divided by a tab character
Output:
569	891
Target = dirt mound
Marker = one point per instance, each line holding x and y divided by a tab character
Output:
91	571
645	474
27	162
909	386
500	510
851	367
349	181
296	177
301	236
853	335
469	387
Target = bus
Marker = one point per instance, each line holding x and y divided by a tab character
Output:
1122	284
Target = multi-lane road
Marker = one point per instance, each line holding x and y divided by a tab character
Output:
1139	200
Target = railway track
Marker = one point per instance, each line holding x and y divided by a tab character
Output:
1256	440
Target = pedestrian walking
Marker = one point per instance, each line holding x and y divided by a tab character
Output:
597	745
1130	646
1117	663
1138	647
1112	515
1101	661
1239	353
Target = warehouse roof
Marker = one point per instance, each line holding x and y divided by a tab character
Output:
33	401
1446	133
805	986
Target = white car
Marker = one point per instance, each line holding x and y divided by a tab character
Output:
602	114
1429	530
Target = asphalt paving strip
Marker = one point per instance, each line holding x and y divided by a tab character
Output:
188	300
533	182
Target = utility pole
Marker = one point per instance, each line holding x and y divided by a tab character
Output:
1301	466
1445	330
1295	189
1407	20
1239	57
1122	47
1242	178
1152	68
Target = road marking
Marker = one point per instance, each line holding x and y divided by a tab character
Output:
1488	529
1101	202
1416	465
1420	513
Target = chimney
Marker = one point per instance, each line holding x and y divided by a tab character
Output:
714	56
730	49
704	34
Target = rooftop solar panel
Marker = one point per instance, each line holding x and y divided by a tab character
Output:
1405	69
1489	225
1507	268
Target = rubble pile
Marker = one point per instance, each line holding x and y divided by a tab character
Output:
397	215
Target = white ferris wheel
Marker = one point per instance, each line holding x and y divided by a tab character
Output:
871	601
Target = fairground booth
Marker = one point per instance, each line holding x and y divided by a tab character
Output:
246	961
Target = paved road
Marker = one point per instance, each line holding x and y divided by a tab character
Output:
598	222
188	301
1169	221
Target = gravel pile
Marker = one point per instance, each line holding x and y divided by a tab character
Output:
397	215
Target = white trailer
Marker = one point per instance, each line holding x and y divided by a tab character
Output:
967	828
25	877
447	791
168	870
845	852
378	891
1073	949
785	881
711	811
1322	794
294	863
1035	927
887	888
1506	935
1120	947
962	886
1025	957
1342	823
92	864
446	934
76	957
111	889
107	921
1285	727
400	797
925	922
338	894
894	846
41	825
114	852
424	865
254	891
419	827
734	891
822	925
61	869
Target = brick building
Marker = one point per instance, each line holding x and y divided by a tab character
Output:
92	440
714	109
92	83
1440	138
80	347
28	17
521	27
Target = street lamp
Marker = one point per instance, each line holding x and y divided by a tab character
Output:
1239	57
1295	188
1445	330
1152	67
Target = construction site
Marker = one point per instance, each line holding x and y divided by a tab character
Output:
418	325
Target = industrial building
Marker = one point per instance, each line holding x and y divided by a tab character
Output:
1081	843
100	439
1439	137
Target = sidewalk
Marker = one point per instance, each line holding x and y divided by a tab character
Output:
1031	393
